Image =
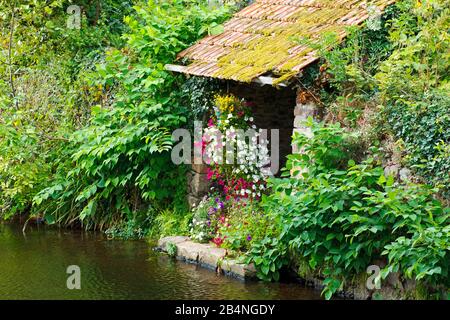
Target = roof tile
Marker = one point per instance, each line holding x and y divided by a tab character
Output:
261	38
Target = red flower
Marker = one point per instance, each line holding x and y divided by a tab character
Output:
209	173
218	241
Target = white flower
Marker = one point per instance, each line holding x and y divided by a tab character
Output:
251	119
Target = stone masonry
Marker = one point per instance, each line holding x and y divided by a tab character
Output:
208	256
197	182
302	111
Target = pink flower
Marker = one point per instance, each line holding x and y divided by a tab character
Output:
218	241
209	173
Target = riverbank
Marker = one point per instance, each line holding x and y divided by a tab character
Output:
207	256
360	287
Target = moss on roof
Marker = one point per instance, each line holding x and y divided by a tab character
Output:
261	38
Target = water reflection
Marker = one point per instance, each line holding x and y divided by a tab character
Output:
33	266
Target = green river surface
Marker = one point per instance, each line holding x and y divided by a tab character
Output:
33	266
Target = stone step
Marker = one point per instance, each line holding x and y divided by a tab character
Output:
208	256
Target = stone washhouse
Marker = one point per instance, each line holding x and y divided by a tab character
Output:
260	59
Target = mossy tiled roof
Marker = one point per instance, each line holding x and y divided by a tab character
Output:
260	39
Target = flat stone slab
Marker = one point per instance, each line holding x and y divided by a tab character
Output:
239	270
207	255
162	243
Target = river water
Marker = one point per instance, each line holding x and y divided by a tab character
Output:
33	266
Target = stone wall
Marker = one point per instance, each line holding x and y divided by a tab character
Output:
302	111
208	256
197	183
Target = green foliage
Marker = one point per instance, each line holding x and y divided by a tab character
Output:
341	218
420	61
346	68
414	88
122	159
42	101
401	71
131	229
269	255
172	249
169	223
201	92
246	225
422	126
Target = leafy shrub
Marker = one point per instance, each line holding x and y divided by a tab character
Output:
131	229
247	223
168	222
172	249
414	89
122	160
42	96
422	125
343	80
393	82
340	219
269	255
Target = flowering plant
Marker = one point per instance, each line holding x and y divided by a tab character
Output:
207	216
237	181
241	175
246	224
